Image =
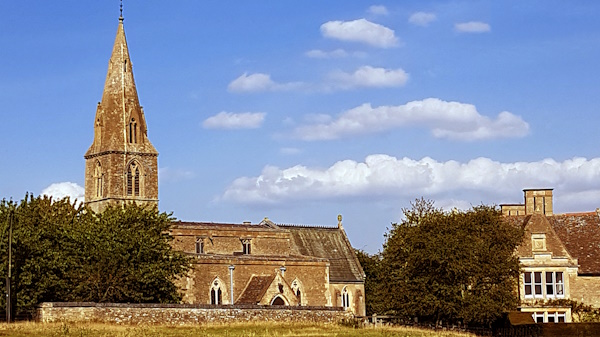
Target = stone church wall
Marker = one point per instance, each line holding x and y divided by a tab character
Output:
181	314
312	277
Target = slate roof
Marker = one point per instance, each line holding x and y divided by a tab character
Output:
330	243
255	289
580	233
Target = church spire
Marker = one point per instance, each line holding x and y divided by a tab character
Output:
120	137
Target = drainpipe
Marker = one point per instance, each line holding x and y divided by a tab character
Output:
231	268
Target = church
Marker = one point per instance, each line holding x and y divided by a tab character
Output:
233	264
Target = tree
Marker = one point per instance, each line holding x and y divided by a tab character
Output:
374	292
65	252
127	257
456	266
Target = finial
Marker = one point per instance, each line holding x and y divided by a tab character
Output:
121	9
339	218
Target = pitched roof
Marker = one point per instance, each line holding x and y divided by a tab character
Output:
580	233
538	223
255	289
330	243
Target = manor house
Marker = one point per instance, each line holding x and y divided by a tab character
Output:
249	264
559	256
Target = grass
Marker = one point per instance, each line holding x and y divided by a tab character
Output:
218	330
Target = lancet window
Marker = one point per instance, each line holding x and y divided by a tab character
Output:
133	180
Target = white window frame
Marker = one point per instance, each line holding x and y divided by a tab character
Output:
544	284
546	317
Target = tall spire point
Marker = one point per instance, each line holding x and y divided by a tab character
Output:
121	10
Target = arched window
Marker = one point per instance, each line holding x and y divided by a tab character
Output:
133	131
345	298
278	300
297	289
133	180
216	295
98	179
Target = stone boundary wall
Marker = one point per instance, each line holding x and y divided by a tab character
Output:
181	314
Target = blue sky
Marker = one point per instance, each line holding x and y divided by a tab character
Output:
301	110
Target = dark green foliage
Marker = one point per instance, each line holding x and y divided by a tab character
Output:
62	252
374	283
454	266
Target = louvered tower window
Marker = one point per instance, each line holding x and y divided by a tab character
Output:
133	180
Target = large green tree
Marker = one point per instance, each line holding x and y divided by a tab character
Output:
374	283
65	252
456	266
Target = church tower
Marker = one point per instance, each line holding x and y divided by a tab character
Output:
121	165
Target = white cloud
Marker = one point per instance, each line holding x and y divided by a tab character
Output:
422	19
378	10
65	189
230	120
472	27
367	76
452	120
360	30
259	82
577	179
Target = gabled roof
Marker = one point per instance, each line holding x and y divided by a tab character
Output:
536	224
255	289
330	243
580	232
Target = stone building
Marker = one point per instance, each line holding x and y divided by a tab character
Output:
258	264
121	165
559	256
270	264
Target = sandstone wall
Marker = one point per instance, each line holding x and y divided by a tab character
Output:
312	277
180	314
586	289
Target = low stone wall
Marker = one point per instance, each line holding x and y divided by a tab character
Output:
181	314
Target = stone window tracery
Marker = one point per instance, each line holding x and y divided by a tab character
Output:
345	298
199	245
133	131
133	180
246	246
216	295
98	178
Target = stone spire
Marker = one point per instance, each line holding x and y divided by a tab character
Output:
120	138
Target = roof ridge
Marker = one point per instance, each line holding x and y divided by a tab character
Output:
307	226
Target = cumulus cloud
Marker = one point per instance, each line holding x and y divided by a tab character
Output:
451	120
259	82
230	120
378	10
422	19
65	189
472	27
390	177
367	76
360	30
332	54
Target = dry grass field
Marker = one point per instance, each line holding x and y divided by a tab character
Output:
234	330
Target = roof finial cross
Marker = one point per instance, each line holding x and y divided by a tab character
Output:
121	9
